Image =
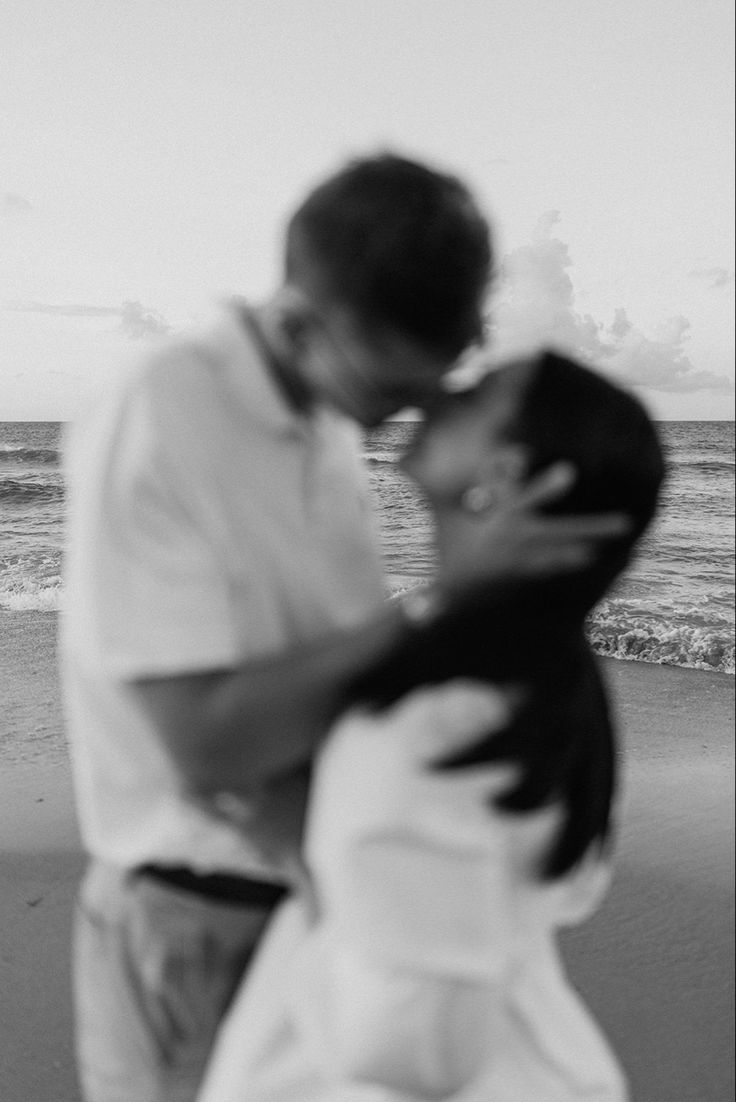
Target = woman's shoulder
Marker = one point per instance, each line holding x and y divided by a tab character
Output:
376	775
425	725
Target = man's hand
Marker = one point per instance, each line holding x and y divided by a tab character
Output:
272	820
515	540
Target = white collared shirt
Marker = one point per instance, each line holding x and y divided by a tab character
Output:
208	524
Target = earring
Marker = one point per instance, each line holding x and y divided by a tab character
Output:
478	499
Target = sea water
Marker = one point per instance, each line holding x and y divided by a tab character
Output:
675	605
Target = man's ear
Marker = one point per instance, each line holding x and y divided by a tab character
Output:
294	313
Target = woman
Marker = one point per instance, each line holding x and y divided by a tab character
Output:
460	812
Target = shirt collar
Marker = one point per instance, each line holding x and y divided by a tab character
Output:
249	373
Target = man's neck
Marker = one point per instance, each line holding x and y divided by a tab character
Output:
263	324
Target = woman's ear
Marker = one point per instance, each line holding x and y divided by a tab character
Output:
505	469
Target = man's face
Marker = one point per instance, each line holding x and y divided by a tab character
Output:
368	374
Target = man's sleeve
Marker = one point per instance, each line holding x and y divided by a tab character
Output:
147	576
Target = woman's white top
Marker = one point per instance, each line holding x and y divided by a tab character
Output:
428	968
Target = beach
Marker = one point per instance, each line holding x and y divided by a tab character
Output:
655	964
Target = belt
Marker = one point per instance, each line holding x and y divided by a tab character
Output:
224	887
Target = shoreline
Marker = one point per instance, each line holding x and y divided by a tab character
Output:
30	700
655	964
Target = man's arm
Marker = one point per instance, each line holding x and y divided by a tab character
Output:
235	729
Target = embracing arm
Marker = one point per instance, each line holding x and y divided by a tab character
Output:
234	729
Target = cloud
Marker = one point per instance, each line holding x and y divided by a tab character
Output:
660	362
12	203
714	277
136	321
536	306
64	311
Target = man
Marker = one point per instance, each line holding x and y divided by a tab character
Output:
223	586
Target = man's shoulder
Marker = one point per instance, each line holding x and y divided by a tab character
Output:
195	354
178	372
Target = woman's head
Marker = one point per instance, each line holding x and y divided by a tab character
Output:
475	454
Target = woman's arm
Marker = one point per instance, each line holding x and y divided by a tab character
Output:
409	965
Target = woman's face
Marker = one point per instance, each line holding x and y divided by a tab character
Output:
466	470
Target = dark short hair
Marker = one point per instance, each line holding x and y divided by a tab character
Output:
401	245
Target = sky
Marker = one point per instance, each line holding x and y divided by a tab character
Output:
150	153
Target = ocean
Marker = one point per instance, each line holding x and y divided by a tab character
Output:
675	606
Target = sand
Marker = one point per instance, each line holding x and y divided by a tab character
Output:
656	963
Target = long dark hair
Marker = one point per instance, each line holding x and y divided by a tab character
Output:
531	631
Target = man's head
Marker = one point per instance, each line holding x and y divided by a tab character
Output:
386	268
